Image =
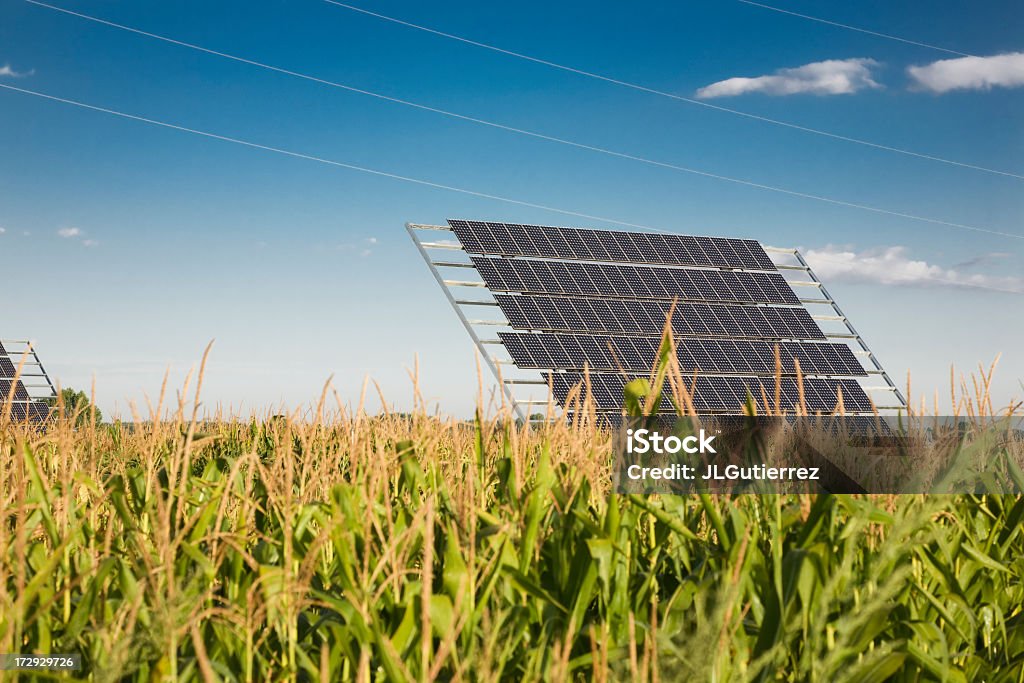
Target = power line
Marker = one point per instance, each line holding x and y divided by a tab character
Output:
521	131
321	160
854	28
385	174
394	176
680	98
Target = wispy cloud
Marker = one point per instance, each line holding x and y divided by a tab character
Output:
6	70
77	234
3	230
892	266
363	247
830	77
970	73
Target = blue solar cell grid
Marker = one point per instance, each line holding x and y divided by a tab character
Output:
583	244
714	356
639	282
727	394
617	316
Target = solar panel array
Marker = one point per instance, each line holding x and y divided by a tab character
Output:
633	282
34	411
23	406
583	244
619	316
581	300
722	394
714	356
19	394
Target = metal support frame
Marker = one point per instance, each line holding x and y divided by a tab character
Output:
507	385
26	349
457	304
839	316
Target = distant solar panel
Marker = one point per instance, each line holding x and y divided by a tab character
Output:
19	394
582	244
712	356
634	282
24	394
590	301
618	316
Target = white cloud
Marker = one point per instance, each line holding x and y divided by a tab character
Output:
6	70
970	73
77	234
3	230
892	266
830	77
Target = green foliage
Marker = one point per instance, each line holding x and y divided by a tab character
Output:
76	407
411	550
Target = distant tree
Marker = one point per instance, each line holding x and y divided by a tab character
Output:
77	406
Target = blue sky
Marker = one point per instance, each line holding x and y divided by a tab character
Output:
300	270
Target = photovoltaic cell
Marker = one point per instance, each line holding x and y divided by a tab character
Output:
726	394
640	282
32	411
713	356
584	244
20	393
618	316
7	381
23	405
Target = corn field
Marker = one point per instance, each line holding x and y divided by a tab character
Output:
335	545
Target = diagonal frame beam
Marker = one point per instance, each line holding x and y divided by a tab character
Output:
482	345
839	316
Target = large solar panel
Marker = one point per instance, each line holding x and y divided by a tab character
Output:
712	356
633	282
725	394
582	244
618	316
24	401
593	303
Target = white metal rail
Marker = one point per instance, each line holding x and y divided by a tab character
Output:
838	316
457	304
